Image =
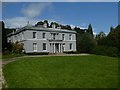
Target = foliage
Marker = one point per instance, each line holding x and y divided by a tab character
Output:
114	37
17	47
100	35
9	55
70	52
39	23
90	30
86	43
62	72
38	53
4	38
106	51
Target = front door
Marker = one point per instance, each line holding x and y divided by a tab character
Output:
56	48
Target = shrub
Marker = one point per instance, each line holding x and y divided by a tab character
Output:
6	52
106	50
70	52
38	53
17	47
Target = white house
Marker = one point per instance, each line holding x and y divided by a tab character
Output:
43	39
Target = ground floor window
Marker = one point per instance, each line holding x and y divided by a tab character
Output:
44	46
70	46
34	46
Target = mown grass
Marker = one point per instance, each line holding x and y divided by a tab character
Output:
11	55
90	71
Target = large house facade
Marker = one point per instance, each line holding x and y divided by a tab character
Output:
43	39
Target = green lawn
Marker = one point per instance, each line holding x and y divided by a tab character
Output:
63	72
11	55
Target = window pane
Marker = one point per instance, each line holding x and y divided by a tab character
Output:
34	34
34	46
62	36
70	37
44	46
43	35
70	46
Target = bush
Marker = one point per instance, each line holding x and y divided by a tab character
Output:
106	50
17	47
70	52
38	53
6	52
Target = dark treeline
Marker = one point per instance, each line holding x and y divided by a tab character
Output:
86	42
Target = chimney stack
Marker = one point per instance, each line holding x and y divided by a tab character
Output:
53	25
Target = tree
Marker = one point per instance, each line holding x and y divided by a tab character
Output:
114	37
4	38
17	47
56	24
45	21
39	23
111	28
90	30
100	35
87	43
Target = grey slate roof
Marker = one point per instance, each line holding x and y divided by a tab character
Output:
42	29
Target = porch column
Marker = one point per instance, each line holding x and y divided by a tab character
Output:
54	48
50	48
59	48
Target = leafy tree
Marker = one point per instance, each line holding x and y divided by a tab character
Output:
56	24
39	23
87	43
114	37
4	38
100	35
90	30
106	51
111	29
17	47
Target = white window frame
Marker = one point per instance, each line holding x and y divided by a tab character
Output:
45	47
63	36
43	35
34	47
71	46
22	35
70	36
35	35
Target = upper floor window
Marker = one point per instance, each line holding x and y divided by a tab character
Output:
54	36
43	35
70	46
18	37
63	36
70	37
44	46
34	35
22	35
